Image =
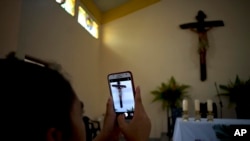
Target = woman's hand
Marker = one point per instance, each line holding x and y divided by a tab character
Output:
110	130
139	127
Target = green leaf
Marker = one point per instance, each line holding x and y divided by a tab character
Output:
224	87
237	80
155	92
156	99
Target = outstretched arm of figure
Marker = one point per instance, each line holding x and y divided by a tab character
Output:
193	30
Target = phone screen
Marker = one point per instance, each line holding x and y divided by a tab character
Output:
121	88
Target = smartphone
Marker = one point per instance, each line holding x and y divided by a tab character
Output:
122	91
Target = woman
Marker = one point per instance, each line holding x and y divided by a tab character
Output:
39	104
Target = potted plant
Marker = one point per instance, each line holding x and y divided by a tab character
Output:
238	92
170	95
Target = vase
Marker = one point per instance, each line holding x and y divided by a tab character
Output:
173	113
176	112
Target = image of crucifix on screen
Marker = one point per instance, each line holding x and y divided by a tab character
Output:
122	93
119	88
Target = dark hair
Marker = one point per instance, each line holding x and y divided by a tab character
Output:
33	99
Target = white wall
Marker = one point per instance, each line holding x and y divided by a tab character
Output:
9	26
151	44
47	32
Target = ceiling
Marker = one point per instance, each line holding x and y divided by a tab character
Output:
105	5
105	11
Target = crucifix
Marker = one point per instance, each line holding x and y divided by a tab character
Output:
201	28
119	88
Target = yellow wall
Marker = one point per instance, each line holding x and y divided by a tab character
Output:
10	21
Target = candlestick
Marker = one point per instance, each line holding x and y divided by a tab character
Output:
209	105
197	105
185	105
185	115
210	116
197	116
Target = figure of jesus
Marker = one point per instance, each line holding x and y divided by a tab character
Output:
203	40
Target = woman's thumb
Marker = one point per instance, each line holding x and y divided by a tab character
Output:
121	122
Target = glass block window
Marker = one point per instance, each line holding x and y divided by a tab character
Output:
68	5
87	22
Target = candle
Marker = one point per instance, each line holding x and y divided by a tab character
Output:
209	105
185	105
197	105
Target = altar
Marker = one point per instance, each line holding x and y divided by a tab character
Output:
216	130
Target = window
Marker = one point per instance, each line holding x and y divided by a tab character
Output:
68	5
87	22
84	19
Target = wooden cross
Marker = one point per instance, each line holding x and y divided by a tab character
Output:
201	28
119	88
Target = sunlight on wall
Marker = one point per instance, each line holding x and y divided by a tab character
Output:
87	22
